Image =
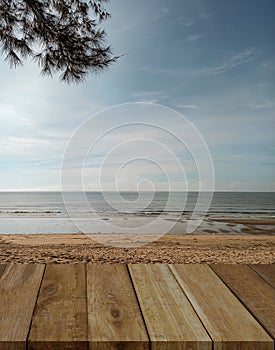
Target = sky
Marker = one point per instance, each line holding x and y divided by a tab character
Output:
212	61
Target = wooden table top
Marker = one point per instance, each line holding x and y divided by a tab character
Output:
137	307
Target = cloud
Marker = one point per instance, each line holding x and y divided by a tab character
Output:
237	60
264	105
150	96
232	62
189	22
235	116
125	28
165	10
194	37
205	15
186	22
187	106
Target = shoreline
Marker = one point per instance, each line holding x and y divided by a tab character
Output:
79	248
136	225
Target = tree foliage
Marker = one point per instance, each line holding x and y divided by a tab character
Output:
63	36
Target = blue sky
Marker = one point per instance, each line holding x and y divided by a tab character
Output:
211	60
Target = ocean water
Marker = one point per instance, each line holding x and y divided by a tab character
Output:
45	212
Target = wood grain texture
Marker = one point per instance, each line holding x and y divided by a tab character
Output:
228	322
60	316
19	285
267	272
2	269
254	292
170	319
97	308
114	317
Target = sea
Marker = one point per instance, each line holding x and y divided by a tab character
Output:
145	212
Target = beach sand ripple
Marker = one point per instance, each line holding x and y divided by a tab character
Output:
78	248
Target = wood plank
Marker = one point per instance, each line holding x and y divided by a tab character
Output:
114	317
19	285
267	272
60	316
228	322
2	269
170	319
254	292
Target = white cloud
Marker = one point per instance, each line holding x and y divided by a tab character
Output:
185	22
150	94
194	37
38	115
232	62
205	15
188	106
165	10
235	186
236	60
191	21
264	105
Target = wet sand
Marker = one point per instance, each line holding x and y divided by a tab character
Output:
76	248
269	222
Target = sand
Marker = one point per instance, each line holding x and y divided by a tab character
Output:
78	248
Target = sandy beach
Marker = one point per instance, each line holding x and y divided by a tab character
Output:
77	248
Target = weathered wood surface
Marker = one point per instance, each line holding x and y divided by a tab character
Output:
114	316
253	291
136	307
227	321
168	314
60	315
19	285
2	269
267	272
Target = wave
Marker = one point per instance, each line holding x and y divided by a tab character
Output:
29	212
143	213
